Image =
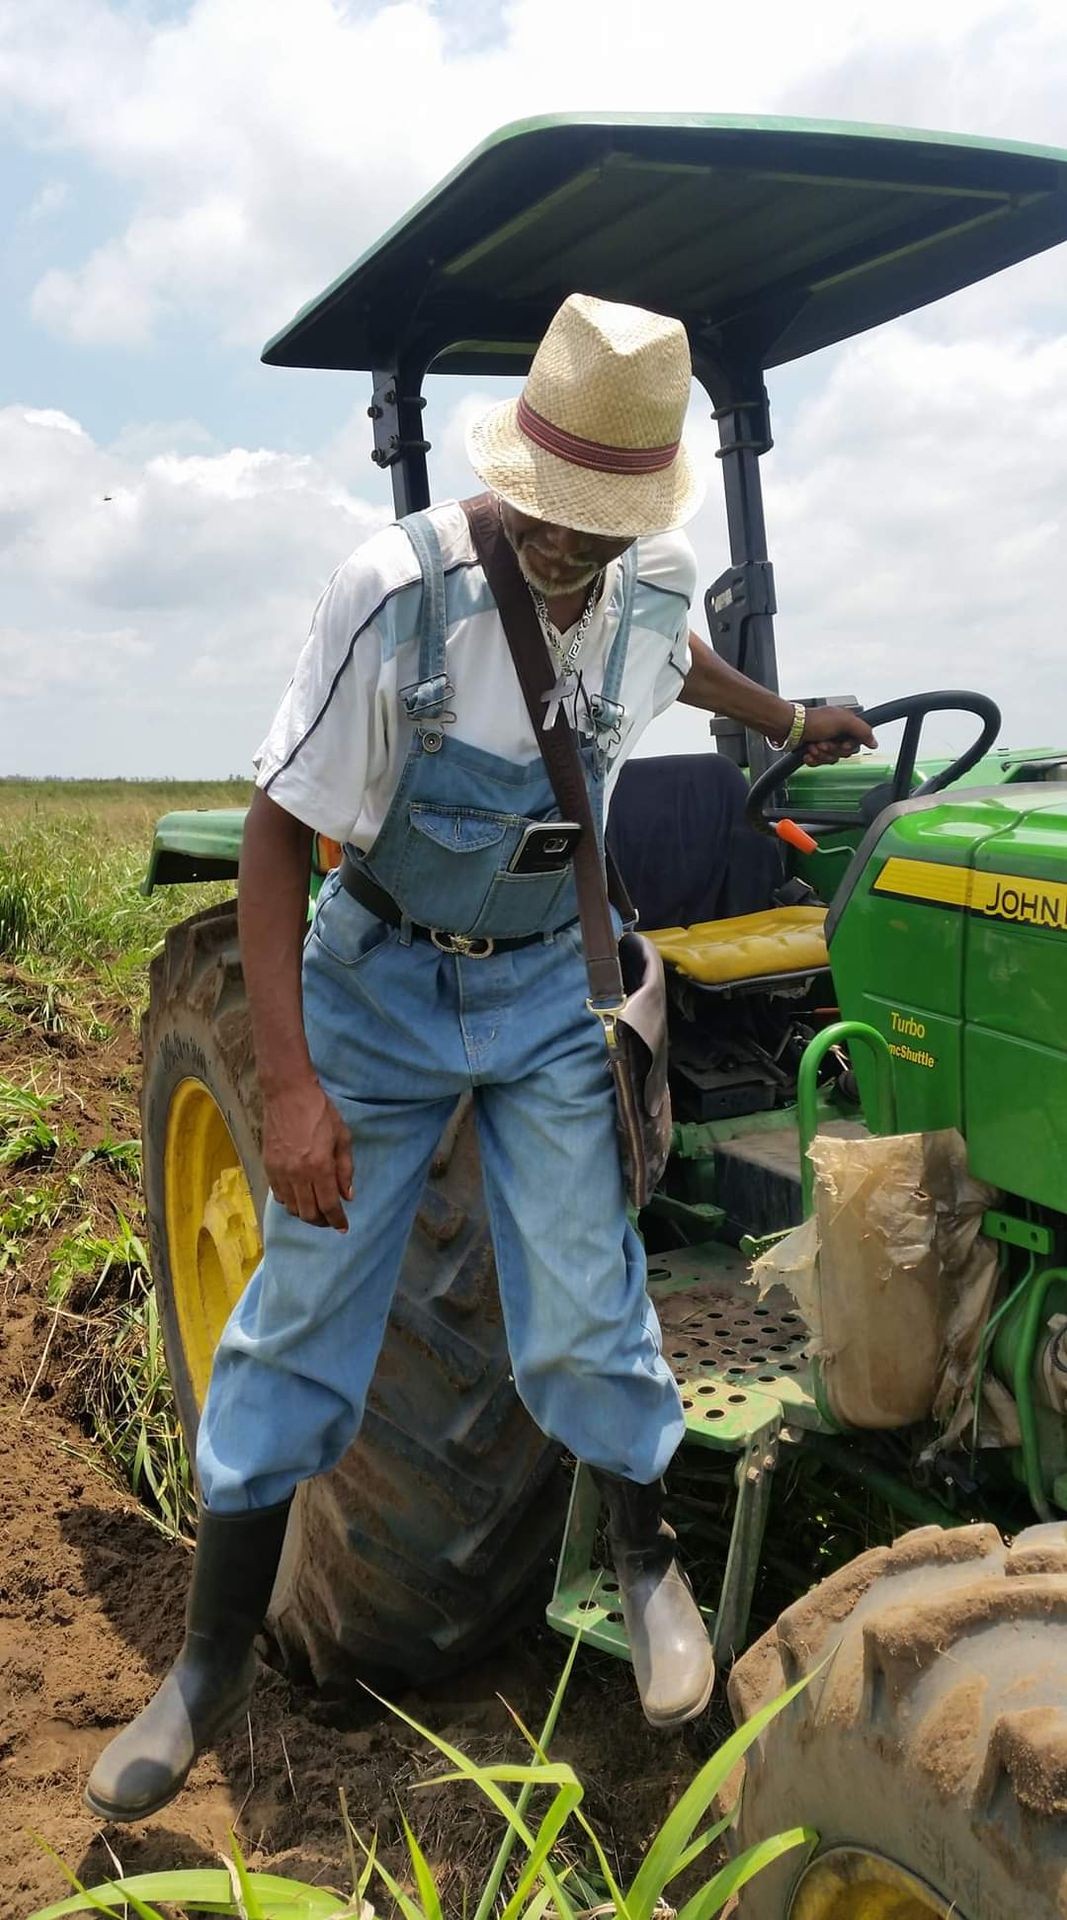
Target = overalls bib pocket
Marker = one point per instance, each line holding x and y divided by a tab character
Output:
455	875
450	860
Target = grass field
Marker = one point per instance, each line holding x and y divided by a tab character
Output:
72	858
76	937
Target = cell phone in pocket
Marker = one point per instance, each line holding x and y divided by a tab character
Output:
546	847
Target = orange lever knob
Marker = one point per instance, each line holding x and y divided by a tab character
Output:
795	836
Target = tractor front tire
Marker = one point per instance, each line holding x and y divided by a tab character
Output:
929	1749
434	1536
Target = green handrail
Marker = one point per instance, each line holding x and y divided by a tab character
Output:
808	1090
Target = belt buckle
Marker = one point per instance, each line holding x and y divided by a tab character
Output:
471	946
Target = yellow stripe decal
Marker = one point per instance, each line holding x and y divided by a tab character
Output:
996	896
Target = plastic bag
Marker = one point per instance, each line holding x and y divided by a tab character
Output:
894	1278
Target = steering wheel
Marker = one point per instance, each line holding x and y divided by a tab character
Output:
912	708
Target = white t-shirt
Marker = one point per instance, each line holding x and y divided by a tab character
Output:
337	743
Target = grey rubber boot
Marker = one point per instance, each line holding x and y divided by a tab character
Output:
672	1658
211	1681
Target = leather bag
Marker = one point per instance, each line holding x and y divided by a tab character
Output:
627	992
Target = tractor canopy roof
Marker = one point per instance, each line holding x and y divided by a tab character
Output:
767	238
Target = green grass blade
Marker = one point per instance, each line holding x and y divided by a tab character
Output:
424	1880
465	1769
360	1878
677	1830
553	1773
369	1863
540	1746
91	1898
206	1890
499	1867
538	1904
250	1908
548	1833
407	1905
701	1844
618	1898
488	1786
712	1898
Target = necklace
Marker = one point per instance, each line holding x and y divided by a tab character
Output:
567	658
568	679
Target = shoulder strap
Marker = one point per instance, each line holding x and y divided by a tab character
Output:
559	751
428	698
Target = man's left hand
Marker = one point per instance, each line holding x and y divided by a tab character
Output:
834	733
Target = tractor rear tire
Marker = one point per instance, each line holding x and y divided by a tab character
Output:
929	1749
434	1536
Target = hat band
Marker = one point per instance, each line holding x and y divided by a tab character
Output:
591	453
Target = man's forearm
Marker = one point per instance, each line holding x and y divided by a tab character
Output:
272	899
717	688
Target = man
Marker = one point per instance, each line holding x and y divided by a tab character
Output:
441	960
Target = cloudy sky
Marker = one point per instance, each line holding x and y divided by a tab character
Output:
177	178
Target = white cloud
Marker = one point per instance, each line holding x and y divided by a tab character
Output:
918	512
156	589
47	202
40	664
265	143
54	418
212	563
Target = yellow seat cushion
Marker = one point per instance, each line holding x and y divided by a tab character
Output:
721	952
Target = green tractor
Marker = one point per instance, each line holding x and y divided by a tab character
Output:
910	982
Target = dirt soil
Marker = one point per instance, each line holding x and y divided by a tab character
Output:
91	1595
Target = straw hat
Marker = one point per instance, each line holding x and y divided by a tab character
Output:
594	440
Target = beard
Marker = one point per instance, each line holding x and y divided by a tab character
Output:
580	572
551	589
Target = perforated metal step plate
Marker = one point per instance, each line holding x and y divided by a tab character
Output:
730	1351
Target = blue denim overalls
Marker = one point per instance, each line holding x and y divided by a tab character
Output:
459	813
398	1030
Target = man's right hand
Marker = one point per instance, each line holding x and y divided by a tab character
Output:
307	1152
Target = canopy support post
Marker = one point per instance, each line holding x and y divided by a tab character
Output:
740	605
396	412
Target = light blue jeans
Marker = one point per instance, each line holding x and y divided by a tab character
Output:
397	1033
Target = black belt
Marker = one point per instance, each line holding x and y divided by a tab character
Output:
474	946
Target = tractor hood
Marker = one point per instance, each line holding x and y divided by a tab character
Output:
775	236
949	935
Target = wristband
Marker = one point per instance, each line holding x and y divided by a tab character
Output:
796	732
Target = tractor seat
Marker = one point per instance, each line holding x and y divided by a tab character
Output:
750	948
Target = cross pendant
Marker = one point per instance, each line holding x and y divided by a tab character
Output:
554	699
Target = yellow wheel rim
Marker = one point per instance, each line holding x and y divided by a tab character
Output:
213	1242
851	1884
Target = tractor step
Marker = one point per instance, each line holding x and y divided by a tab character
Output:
742	1370
757	1175
738	1359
